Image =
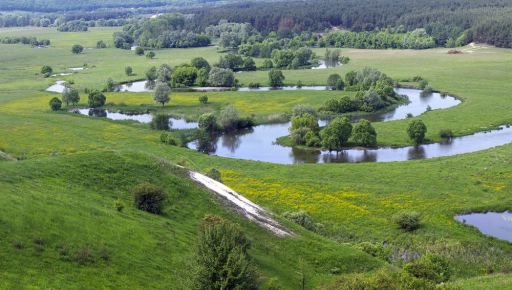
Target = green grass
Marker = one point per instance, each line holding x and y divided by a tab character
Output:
503	282
355	202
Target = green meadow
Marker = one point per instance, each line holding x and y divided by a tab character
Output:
57	199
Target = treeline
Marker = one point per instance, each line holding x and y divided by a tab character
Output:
444	20
64	23
69	5
164	31
25	40
417	39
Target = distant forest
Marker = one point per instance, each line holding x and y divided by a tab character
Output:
488	21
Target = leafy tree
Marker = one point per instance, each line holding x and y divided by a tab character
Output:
110	86
336	134
304	129
332	80
200	63
267	63
220	77
202	77
149	198
350	78
96	99
77	49
203	99
275	78
162	92
407	221
46	71
150	54
231	61
208	122
249	64
340	85
160	122
164	73
101	44
305	120
302	109
229	118
55	104
184	75
416	131
151	74
222	257
364	134
128	70
70	95
139	51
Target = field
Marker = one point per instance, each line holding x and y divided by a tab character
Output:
96	161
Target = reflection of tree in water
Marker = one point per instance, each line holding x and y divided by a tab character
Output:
150	85
416	152
232	140
207	143
305	156
352	156
97	113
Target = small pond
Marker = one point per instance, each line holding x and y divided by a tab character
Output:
494	224
174	123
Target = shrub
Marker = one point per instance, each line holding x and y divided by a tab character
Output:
168	139
160	122
299	84
407	221
229	118
77	49
375	250
208	122
46	71
110	86
214	174
301	109
149	198
332	80
428	89
301	218
203	99
101	44
417	131
254	85
119	205
150	55
275	78
423	84
446	133
128	70
139	50
364	134
340	85
431	267
55	104
96	99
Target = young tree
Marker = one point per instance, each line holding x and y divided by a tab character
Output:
70	95
151	74
162	92
101	44
336	134
202	77
220	77
46	71
364	134
222	257
332	80
128	70
203	99
150	55
164	73
275	78
184	75
200	63
208	122
229	118
139	51
110	86
77	49
55	104
416	131
96	99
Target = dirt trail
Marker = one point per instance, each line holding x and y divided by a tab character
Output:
249	209
6	156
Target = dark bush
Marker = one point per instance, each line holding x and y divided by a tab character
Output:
446	133
407	221
303	219
149	198
96	99
55	104
203	99
214	174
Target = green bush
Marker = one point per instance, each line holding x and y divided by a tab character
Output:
55	104
168	138
149	198
407	221
446	133
46	71
431	267
96	99
119	205
208	122
160	122
303	219
139	50
203	99
214	174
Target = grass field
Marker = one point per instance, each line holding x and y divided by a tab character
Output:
95	161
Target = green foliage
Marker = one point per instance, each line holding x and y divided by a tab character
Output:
416	131
77	49
208	122
55	104
430	267
119	205
336	134
46	71
150	55
70	95
214	174
446	133
230	118
184	75
128	70
275	78
231	61
148	197
200	63
162	92
203	99
380	40
407	220
302	109
304	128
364	134
332	81
168	138
96	99
160	122
303	219
139	51
164	73
220	77
222	257
110	86
151	74
101	44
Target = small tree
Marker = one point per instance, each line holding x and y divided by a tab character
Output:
364	134
77	49
340	85
275	78
164	73
336	134
46	71
229	118
70	95
407	221
332	80
55	104
221	77
417	131
101	44
128	70
203	99
149	198
160	122
200	63
208	122
139	51
96	99
151	74
110	86
162	92
150	55
222	257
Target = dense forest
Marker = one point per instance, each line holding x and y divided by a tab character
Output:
445	20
